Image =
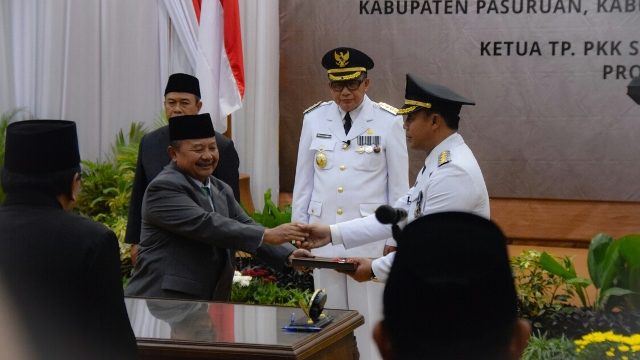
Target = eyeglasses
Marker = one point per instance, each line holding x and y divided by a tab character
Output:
340	85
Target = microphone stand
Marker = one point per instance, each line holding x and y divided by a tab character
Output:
395	231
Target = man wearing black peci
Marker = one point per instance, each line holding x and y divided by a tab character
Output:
181	97
192	225
61	270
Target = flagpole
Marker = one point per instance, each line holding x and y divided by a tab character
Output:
228	132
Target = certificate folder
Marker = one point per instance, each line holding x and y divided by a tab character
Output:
324	263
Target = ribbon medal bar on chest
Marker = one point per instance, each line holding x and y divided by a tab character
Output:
368	143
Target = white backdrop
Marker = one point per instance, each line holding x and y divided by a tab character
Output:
255	125
83	60
104	63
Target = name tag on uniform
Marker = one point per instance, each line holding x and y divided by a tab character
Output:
323	136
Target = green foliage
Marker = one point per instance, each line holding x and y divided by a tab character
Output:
614	267
5	119
106	188
538	290
268	293
272	216
575	286
542	348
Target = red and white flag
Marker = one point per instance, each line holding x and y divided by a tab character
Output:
219	64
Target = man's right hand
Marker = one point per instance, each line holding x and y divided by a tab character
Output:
363	270
291	232
319	235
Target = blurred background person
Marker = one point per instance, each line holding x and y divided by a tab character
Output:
451	294
61	270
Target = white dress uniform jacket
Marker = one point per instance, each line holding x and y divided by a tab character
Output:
450	180
335	182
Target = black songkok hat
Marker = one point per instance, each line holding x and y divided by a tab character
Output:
39	147
179	82
345	63
633	90
420	94
450	277
191	127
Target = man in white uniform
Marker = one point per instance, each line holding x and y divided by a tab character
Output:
450	180
352	158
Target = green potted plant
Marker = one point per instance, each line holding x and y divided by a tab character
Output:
614	271
614	268
542	347
272	216
539	290
106	188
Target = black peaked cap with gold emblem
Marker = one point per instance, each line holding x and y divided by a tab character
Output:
191	127
40	147
421	94
180	82
346	63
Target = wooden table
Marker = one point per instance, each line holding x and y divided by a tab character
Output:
172	329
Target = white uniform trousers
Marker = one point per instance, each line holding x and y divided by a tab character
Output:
365	297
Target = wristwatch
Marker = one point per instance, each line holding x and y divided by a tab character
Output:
372	276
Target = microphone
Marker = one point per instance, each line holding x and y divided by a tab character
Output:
389	215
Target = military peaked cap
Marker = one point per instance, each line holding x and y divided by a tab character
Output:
420	94
345	63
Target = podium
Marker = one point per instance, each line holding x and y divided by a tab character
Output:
177	329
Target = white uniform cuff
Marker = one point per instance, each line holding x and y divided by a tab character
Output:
336	235
382	266
391	242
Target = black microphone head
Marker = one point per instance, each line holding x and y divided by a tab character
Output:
386	214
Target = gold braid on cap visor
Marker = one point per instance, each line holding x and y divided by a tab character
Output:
416	104
354	75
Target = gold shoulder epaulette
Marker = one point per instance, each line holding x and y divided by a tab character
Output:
444	157
318	104
389	108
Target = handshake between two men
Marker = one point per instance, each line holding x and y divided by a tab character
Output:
311	236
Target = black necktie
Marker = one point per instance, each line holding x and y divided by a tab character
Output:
347	123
